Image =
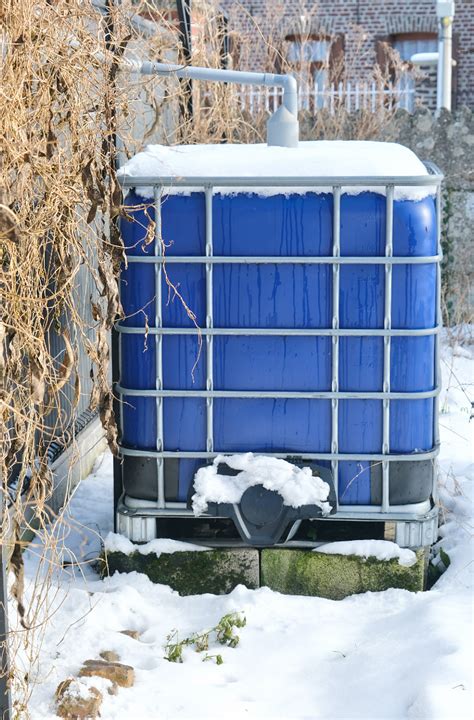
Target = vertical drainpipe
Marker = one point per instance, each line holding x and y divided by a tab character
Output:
445	13
223	25
184	17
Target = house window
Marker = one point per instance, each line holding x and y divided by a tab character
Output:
308	51
407	44
316	60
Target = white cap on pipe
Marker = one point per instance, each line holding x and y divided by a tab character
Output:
283	129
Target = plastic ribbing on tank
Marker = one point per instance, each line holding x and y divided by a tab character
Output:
158	191
336	251
387	348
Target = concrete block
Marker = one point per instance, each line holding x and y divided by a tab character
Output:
192	573
303	572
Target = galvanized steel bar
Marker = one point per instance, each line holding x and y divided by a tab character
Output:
417	511
437	341
364	182
336	251
159	350
387	348
209	325
143	507
119	329
344	332
362	457
280	394
284	260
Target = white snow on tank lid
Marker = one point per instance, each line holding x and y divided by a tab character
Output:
328	159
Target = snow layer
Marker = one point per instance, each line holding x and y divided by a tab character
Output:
119	543
320	158
391	655
380	549
297	486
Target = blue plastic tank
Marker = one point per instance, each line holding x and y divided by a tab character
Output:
282	296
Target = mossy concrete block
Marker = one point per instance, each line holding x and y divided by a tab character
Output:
303	572
192	573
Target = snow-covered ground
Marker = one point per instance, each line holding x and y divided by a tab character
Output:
394	654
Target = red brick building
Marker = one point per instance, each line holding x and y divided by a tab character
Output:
346	39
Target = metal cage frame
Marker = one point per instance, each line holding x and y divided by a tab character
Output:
416	524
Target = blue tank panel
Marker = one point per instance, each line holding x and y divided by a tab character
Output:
252	225
360	370
183	219
282	296
239	362
244	425
184	422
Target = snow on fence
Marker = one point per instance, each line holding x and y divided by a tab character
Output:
353	96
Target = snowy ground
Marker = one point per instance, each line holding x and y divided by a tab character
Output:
379	655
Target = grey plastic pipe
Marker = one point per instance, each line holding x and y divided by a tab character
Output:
287	82
445	13
282	126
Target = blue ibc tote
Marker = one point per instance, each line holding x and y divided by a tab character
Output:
319	316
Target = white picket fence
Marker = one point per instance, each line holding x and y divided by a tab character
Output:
352	96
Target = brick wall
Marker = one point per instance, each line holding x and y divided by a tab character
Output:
375	19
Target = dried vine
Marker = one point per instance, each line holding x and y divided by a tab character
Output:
64	99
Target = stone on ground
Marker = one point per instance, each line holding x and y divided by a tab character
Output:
75	701
109	656
134	634
123	675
